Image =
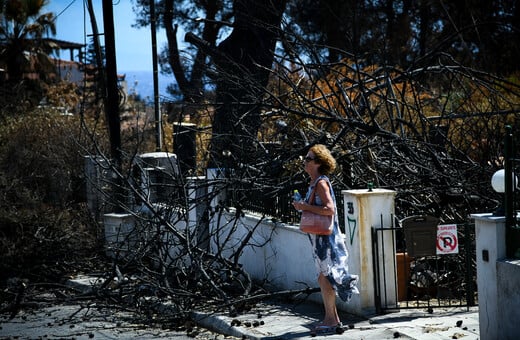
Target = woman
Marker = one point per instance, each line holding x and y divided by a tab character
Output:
330	253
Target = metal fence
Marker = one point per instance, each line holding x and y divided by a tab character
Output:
271	201
424	278
274	203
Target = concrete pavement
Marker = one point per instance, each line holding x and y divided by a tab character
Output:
277	320
82	322
289	321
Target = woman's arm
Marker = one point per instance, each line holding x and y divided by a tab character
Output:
322	190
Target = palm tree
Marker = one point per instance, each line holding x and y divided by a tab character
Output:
22	44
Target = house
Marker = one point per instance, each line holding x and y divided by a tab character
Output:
74	69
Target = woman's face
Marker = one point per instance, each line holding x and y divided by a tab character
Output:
310	164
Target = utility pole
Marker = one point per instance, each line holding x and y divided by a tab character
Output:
112	98
112	93
100	69
157	111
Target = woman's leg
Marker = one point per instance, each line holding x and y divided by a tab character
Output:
329	301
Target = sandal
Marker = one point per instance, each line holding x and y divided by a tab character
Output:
323	328
328	329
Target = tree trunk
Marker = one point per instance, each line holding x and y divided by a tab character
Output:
192	88
243	62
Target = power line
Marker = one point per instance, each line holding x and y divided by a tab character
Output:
66	8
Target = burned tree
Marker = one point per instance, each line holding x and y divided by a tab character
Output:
242	65
417	131
432	132
412	131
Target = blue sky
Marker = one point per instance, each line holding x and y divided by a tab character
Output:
133	46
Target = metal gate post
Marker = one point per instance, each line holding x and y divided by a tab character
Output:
512	231
470	289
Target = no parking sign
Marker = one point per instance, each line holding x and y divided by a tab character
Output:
447	242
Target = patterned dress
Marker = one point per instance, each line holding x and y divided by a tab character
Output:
330	253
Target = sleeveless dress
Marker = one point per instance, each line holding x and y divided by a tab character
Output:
330	253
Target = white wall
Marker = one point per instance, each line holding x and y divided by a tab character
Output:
508	276
498	280
278	252
282	254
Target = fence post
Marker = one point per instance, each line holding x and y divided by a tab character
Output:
365	211
185	146
198	209
470	289
512	232
490	248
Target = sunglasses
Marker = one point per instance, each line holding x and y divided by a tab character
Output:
308	159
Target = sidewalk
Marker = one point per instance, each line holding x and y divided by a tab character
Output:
287	321
279	320
294	321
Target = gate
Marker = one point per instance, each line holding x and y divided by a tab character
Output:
433	265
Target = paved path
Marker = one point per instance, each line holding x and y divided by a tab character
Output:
80	322
295	322
279	320
265	322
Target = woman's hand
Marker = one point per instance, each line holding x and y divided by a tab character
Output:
299	205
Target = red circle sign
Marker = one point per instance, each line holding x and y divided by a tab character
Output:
447	241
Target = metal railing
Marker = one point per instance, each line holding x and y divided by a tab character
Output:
275	204
511	196
426	281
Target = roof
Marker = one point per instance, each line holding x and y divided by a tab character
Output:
65	44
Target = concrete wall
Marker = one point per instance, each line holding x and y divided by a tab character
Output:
498	280
282	254
276	251
508	298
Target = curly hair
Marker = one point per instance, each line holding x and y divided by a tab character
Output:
324	158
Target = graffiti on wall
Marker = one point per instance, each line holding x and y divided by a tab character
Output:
351	222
